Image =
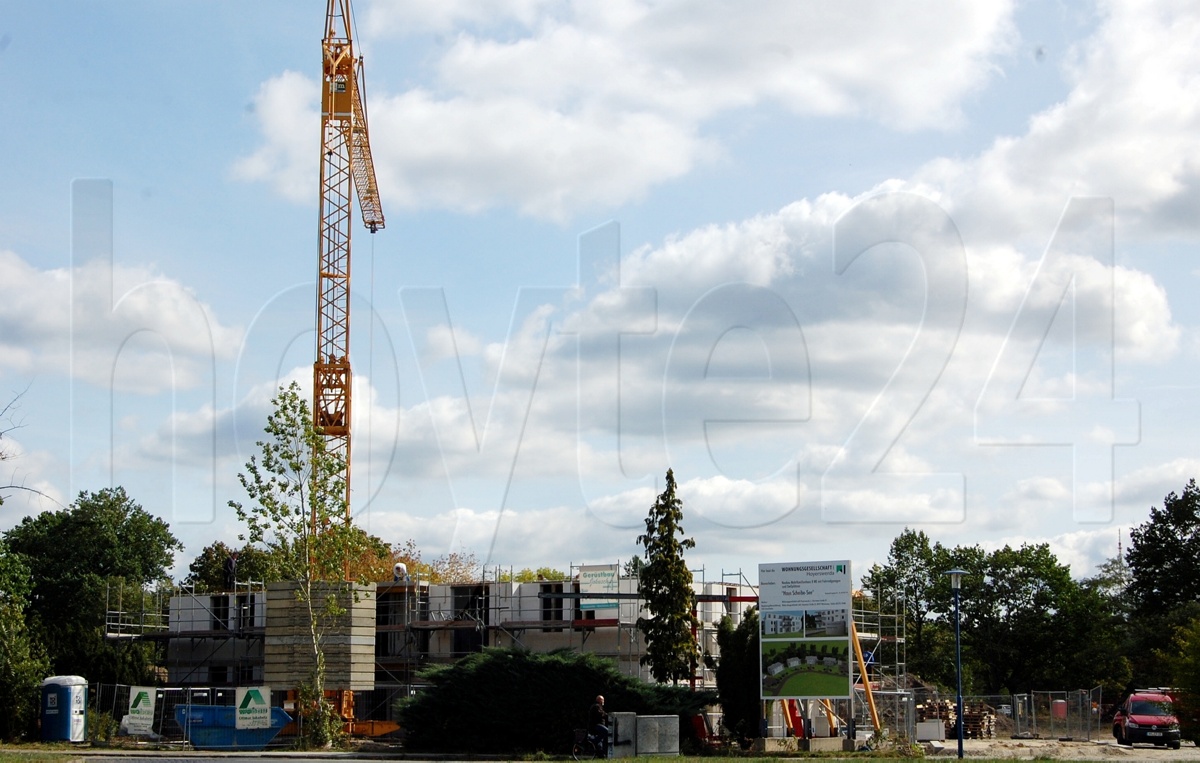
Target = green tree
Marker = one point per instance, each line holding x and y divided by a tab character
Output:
907	584
103	542
23	663
665	588
633	567
531	576
1112	582
1182	658
532	701
1024	618
299	514
1164	555
738	677
1164	581
1090	642
207	571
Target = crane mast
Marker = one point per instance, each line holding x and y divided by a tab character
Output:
345	161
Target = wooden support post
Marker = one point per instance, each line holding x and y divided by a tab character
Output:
862	671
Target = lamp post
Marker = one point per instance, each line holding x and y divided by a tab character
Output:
956	585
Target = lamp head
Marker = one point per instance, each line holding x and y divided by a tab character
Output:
956	578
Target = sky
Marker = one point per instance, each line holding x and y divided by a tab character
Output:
845	268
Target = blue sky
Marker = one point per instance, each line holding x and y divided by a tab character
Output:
821	259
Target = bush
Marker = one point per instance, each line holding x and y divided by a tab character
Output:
101	726
508	700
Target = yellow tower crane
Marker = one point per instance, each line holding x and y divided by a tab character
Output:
345	157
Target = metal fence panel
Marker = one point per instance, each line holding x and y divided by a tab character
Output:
113	701
1067	715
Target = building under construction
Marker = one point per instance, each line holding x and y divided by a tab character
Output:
251	634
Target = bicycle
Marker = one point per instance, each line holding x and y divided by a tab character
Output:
588	745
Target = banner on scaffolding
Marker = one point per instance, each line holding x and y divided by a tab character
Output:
804	616
598	579
139	719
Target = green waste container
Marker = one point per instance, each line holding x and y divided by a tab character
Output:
64	709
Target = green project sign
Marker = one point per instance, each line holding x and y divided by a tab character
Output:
253	705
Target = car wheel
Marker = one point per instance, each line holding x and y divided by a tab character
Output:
1174	745
1121	737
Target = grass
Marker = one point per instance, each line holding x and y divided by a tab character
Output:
808	683
35	752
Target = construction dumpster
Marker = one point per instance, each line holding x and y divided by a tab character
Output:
213	727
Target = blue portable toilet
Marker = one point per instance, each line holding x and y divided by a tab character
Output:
64	709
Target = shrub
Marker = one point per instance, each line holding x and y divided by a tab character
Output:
509	700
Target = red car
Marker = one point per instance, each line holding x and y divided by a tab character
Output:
1149	717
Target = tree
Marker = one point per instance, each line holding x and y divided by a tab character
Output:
1023	618
299	514
738	676
1164	555
23	663
1090	642
533	701
1164	582
207	572
632	568
373	562
1183	660
104	541
453	567
907	583
7	425
665	587
530	576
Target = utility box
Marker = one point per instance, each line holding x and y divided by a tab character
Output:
64	709
624	737
657	735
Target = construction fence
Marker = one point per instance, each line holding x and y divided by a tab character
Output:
109	703
1072	715
1066	714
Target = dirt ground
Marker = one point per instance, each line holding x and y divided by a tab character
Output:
1028	749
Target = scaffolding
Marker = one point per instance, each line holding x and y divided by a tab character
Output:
445	622
131	612
881	628
217	638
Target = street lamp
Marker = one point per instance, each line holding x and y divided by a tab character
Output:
956	585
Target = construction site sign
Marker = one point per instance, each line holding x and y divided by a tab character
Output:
804	613
139	720
253	707
598	579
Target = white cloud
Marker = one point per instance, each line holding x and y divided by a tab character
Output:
118	327
878	61
388	18
448	343
24	484
554	113
1124	132
287	110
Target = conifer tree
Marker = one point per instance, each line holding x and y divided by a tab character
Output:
665	587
